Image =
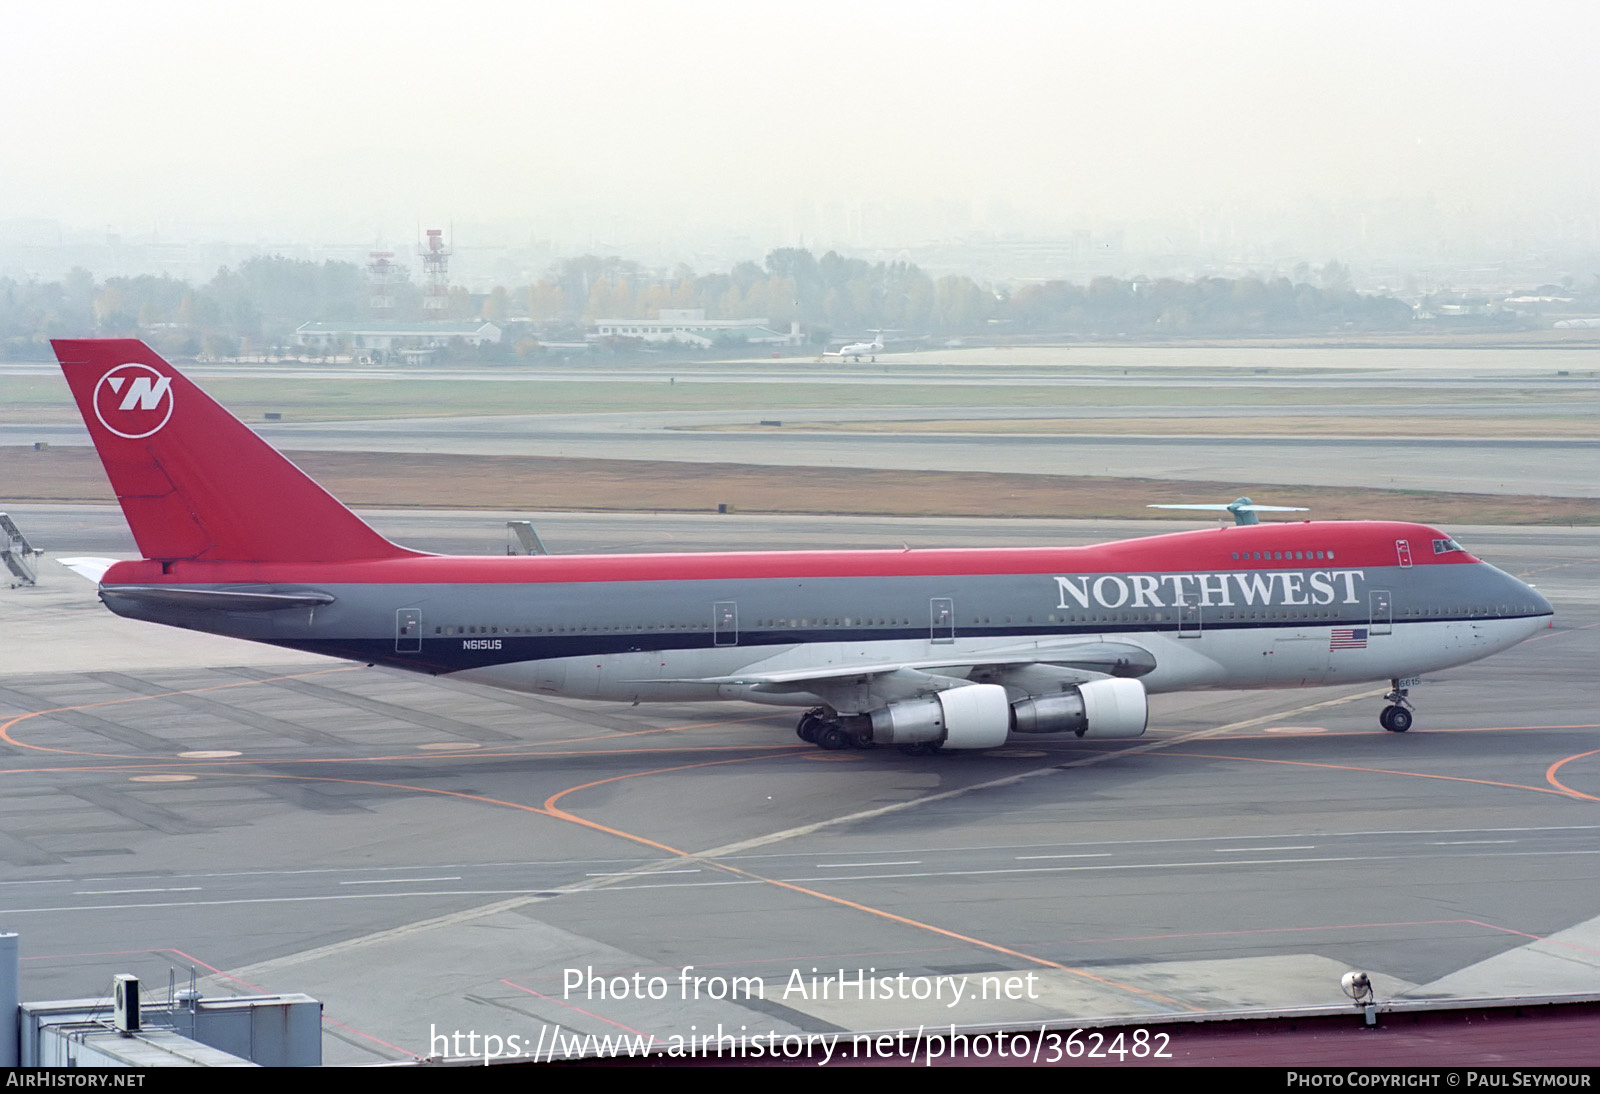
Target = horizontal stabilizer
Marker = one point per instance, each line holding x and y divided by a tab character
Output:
92	568
222	600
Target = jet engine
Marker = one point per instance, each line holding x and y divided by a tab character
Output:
1108	708
974	716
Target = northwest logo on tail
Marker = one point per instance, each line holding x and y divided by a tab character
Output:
133	400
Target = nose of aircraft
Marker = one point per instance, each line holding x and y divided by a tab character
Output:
1540	604
1528	602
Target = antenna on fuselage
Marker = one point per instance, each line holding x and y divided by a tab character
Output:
1244	510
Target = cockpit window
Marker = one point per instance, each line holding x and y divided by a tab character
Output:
1444	546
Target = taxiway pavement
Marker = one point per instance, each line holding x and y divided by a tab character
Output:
429	857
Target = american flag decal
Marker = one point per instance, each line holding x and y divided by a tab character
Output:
1348	638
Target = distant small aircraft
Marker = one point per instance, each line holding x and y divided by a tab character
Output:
858	350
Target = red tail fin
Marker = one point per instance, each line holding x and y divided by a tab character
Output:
193	480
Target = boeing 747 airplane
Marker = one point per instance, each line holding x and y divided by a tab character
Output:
924	649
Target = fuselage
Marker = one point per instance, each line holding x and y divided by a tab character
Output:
858	350
1273	605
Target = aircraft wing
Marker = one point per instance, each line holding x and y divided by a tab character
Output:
1092	658
1038	668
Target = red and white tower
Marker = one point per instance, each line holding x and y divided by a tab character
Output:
435	275
382	273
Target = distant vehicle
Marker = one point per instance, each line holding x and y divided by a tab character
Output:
920	649
859	350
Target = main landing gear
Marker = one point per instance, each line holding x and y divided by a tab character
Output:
819	726
1396	717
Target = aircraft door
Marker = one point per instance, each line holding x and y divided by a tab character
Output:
408	630
1382	611
725	623
942	619
1188	618
1402	550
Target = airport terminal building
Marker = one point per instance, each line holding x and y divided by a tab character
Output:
691	327
384	338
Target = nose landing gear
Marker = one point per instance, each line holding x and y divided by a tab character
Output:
1396	717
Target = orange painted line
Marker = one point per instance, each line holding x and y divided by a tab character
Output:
959	937
1553	633
370	1037
555	810
1559	565
264	991
569	1006
551	810
1416	732
211	765
1290	930
89	953
1535	937
1060	748
1550	775
1376	771
645	732
213	969
5	728
385	786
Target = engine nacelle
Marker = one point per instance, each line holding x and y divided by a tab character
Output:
1100	708
974	716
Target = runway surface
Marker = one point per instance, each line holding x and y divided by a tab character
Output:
1396	388
429	857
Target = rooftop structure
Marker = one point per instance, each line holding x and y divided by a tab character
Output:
690	326
383	340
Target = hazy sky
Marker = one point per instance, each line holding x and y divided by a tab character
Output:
347	120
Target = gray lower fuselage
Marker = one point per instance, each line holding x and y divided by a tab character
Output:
644	640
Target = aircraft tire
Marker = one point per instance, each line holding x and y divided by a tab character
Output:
807	729
1399	719
832	738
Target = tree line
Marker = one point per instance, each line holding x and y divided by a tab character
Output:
256	307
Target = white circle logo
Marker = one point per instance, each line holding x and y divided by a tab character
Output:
133	400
